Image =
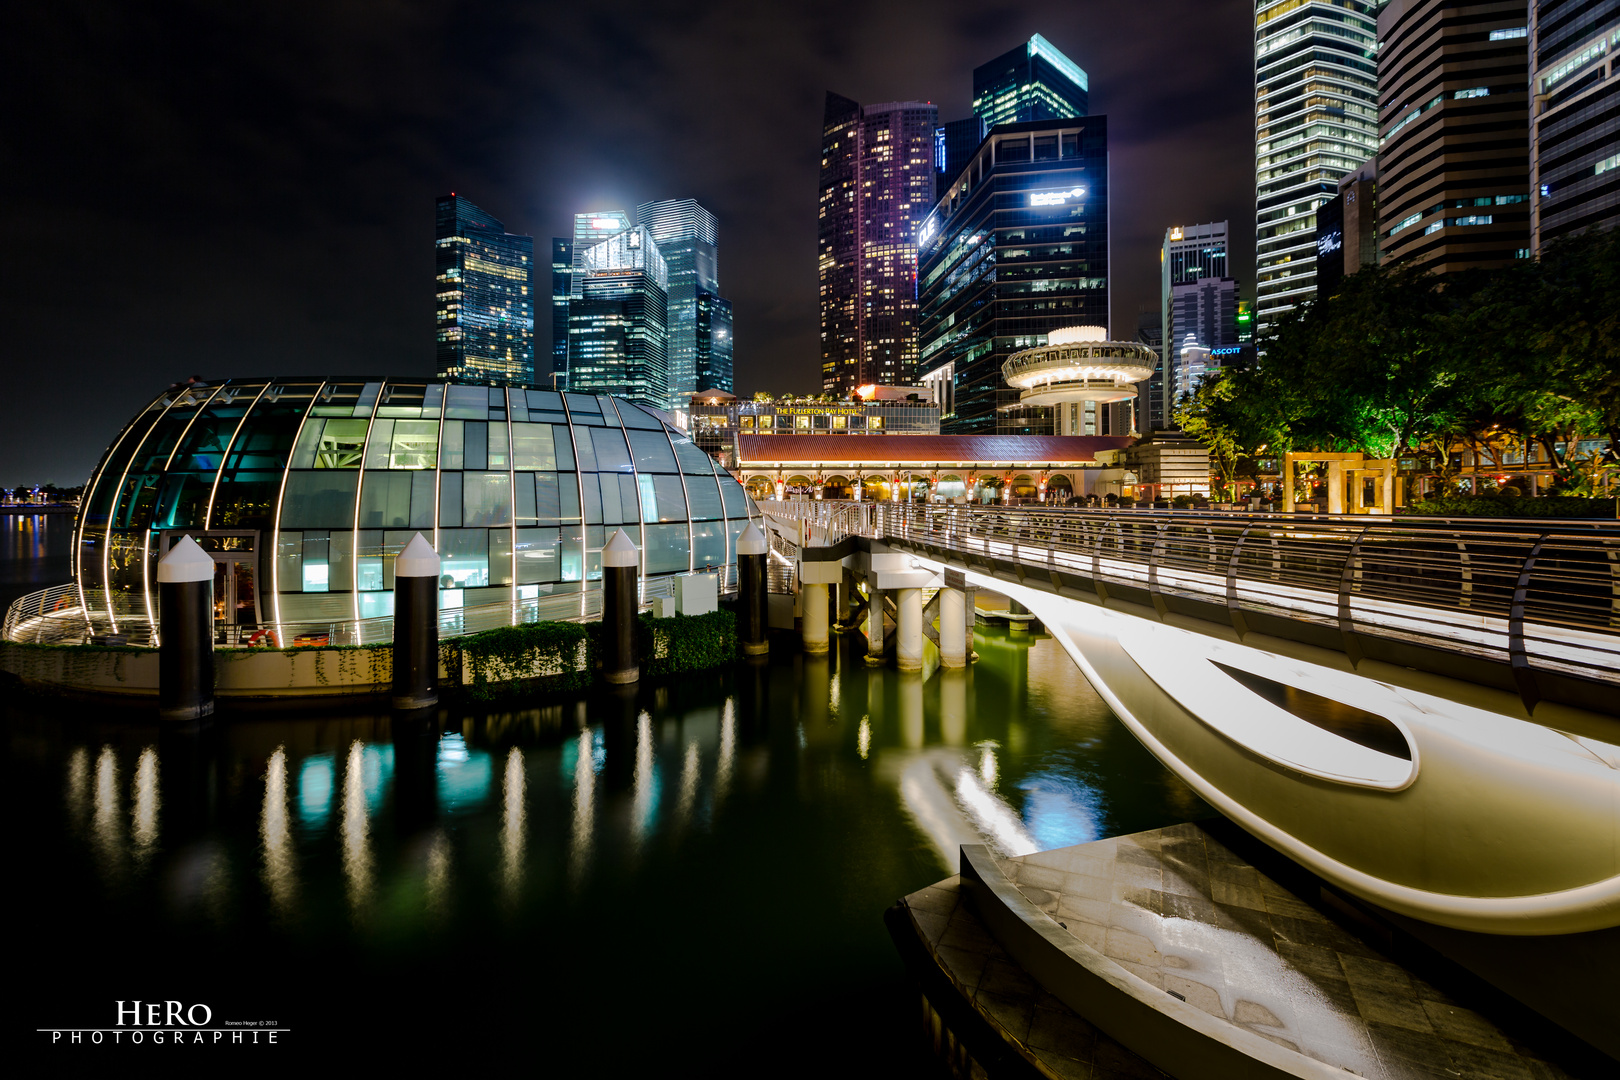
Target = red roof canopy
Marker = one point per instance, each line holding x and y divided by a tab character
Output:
922	449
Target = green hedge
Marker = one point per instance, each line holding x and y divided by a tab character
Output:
685	642
1499	506
515	660
510	660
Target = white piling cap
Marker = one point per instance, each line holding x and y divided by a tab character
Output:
186	561
417	560
752	541
620	551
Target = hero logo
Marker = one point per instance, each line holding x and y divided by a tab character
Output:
1055	198
1328	243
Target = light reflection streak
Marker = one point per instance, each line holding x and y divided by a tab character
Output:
728	751
78	784
513	827
691	774
144	818
953	707
863	740
987	763
579	847
644	803
437	878
105	824
357	861
275	834
911	710
993	817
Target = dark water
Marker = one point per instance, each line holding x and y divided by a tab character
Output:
35	552
686	877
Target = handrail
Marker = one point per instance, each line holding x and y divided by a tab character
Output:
1541	597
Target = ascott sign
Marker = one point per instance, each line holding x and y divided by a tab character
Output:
1055	198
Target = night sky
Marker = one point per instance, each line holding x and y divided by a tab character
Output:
235	189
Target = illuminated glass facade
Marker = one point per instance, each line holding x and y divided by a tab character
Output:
1017	247
562	280
686	237
877	185
1574	117
618	335
306	489
1032	82
485	296
1316	118
1189	252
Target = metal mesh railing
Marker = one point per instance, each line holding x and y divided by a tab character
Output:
1541	594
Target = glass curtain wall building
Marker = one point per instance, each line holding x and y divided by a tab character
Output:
1017	247
562	280
877	184
304	490
1316	118
1031	82
617	326
591	229
485	295
686	237
1189	252
1574	117
1453	175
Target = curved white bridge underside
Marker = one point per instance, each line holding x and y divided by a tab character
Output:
1485	822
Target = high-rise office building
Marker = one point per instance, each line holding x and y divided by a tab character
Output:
1031	82
1189	253
562	279
1316	118
1453	172
954	145
1347	229
485	297
877	185
1150	404
1204	314
617	336
1574	137
591	229
686	235
1015	248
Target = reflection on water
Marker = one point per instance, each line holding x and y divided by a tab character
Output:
275	833
838	785
356	846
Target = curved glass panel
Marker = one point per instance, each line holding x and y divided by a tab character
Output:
310	489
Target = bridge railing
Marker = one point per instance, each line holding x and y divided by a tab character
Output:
1533	596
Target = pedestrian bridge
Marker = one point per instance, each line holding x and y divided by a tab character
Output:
1425	712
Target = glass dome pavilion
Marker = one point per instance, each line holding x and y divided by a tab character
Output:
304	488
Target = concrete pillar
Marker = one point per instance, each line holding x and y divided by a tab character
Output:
1288	484
813	623
874	625
1017	626
416	626
846	600
753	550
620	560
186	633
1358	491
952	629
909	638
1335	487
1386	501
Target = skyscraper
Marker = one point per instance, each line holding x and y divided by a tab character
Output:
686	236
591	229
1453	174
485	298
617	336
1015	248
1031	82
1205	316
1189	253
877	184
562	279
1316	118
1574	153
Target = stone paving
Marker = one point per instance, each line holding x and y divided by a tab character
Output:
1177	908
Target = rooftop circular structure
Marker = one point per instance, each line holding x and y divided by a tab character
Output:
304	489
1079	364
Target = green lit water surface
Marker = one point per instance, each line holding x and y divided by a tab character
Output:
693	872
